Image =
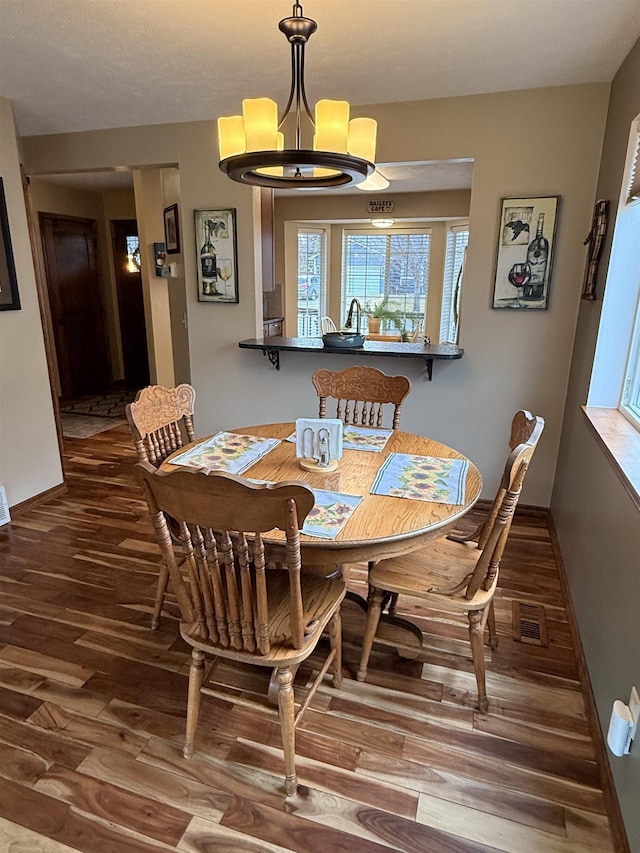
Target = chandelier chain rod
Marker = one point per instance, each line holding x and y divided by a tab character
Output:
293	87
297	91
301	86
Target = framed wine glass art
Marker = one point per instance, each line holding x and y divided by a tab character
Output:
216	255
524	260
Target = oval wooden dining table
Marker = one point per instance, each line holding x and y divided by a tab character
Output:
381	526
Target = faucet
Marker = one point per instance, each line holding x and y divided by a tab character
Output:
354	304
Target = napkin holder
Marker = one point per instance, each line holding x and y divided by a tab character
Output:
319	443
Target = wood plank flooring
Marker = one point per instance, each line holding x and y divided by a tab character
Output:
92	707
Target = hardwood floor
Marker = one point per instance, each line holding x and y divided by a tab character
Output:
92	708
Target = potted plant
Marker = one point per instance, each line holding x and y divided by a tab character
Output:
379	313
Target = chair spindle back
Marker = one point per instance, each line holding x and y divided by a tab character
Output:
361	394
161	421
218	567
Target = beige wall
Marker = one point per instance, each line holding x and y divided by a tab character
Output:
29	455
177	285
149	206
598	523
511	359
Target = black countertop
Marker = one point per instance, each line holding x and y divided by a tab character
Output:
272	347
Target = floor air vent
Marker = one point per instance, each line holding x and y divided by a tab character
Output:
529	624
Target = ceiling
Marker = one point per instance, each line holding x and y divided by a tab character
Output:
73	65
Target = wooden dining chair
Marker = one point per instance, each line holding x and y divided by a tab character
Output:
361	394
455	576
231	606
524	427
161	422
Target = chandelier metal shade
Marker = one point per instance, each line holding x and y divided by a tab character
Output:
252	145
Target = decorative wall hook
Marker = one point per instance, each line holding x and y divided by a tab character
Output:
595	240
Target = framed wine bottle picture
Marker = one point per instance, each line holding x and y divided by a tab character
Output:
524	260
216	255
9	298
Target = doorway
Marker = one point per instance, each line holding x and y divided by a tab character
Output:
72	262
133	334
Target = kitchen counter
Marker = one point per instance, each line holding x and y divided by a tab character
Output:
273	346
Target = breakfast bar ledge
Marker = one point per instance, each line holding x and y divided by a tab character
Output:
272	347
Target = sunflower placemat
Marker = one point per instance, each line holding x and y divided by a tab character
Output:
422	478
227	451
365	438
330	513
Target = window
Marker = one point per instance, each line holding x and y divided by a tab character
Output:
630	402
615	377
312	265
391	265
457	239
133	253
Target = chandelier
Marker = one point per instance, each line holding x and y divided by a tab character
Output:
252	145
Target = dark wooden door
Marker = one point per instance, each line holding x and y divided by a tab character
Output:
73	281
130	307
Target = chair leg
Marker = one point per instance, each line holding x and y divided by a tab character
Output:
476	630
196	673
393	603
491	624
163	583
390	600
374	607
286	708
335	638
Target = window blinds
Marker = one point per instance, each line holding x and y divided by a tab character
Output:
633	190
457	240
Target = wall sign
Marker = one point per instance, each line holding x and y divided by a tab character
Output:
380	205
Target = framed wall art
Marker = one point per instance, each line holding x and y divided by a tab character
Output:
9	297
216	255
526	243
171	229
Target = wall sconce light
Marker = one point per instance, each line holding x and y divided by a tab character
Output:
623	724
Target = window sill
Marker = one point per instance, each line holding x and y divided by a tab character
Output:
621	441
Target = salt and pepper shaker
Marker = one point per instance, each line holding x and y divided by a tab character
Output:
324	453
